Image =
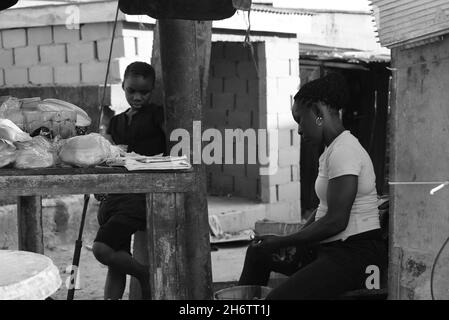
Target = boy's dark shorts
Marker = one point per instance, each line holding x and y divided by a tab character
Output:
119	219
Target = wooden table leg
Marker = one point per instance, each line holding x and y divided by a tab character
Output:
29	219
166	223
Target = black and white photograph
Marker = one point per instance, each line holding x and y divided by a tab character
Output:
224	153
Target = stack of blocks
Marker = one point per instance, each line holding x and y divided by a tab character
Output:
59	55
241	95
232	103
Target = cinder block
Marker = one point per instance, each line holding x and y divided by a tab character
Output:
235	170
145	45
289	191
235	51
288	85
253	88
26	56
217	51
247	70
284	210
278	103
246	102
78	52
295	173
93	72
286	121
284	138
268	194
98	31
68	74
288	156
246	187
238	119
62	34
6	58
41	75
16	76
282	49
294	67
53	54
223	101
278	68
282	176
252	171
215	117
235	85
14	38
224	69
272	121
216	85
40	35
222	184
123	47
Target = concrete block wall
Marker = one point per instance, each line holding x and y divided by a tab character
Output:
243	96
232	103
56	55
279	68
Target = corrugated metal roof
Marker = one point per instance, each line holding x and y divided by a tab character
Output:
402	21
289	11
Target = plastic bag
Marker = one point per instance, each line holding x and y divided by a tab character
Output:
87	151
37	153
9	131
7	153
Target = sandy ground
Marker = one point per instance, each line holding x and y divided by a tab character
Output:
227	264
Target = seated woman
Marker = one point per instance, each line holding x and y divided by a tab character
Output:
333	249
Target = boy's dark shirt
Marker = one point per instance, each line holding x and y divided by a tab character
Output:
144	136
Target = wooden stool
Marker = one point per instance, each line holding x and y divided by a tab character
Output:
27	276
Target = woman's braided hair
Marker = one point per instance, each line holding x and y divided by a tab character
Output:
330	89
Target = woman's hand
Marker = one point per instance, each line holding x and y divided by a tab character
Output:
268	243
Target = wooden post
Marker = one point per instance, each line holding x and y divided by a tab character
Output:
29	220
185	51
166	227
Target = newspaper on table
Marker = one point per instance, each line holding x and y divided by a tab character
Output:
133	161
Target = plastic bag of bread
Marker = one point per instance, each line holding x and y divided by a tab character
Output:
36	153
9	131
86	151
7	153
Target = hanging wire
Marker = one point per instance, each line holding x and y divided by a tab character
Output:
432	273
107	69
247	42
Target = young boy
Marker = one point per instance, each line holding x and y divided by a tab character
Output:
121	215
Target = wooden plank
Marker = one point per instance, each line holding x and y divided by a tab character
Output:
166	227
27	185
185	50
29	219
76	171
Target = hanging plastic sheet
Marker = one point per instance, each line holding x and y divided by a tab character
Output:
5	4
181	9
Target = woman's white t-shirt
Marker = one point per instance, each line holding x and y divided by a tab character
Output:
346	156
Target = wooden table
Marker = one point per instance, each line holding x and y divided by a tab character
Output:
167	236
27	276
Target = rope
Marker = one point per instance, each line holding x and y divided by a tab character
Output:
247	42
107	68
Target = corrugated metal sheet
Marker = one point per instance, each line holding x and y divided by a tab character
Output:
402	21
